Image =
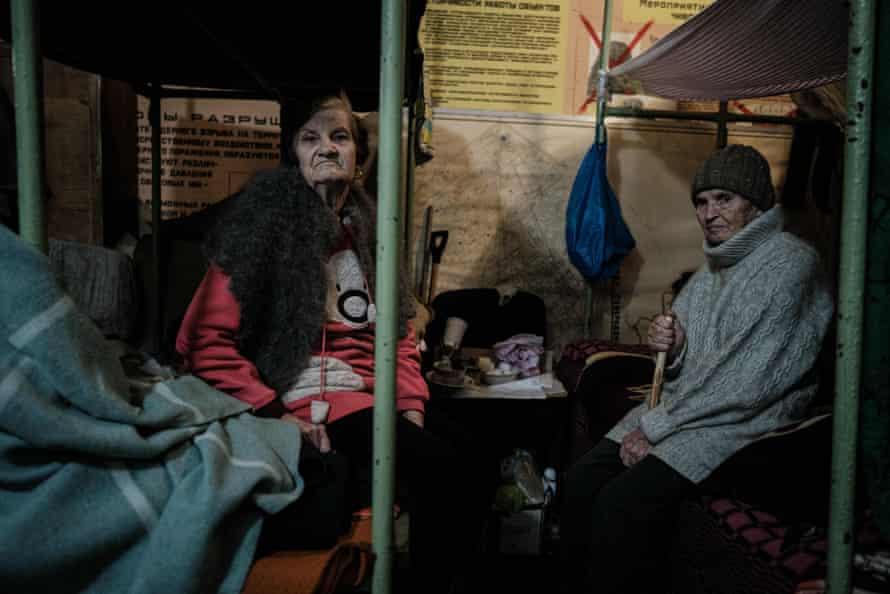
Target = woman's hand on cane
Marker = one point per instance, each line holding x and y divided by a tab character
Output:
667	335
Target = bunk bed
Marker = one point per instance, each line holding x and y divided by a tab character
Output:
249	51
734	50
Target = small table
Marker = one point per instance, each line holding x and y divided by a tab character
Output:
530	414
538	387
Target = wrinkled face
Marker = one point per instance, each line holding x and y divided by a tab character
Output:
326	149
722	214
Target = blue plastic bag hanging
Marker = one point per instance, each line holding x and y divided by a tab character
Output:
597	238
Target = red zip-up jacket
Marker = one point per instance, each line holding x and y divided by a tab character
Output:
206	341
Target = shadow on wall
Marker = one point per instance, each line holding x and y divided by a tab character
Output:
459	187
650	167
503	198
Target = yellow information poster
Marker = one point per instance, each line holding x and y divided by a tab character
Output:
209	148
663	12
496	55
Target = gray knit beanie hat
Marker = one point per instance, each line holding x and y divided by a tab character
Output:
740	169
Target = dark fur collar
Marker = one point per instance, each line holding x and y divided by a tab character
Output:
273	241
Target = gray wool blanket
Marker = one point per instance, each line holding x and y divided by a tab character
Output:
105	488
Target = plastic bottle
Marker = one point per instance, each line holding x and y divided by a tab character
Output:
549	485
550	536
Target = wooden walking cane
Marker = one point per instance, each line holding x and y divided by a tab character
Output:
660	360
657	380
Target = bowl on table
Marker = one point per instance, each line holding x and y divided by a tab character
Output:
499	376
445	375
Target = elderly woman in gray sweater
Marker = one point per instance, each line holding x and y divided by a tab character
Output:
741	340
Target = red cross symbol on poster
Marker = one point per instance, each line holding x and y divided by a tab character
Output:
619	53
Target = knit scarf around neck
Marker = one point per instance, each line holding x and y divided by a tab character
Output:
734	249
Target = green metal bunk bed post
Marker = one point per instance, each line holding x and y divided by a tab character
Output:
722	129
704	116
154	119
392	34
410	164
28	78
602	101
602	86
850	295
874	431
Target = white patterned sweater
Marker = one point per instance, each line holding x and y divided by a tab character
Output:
755	315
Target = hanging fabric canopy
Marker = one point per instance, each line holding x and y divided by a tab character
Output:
738	49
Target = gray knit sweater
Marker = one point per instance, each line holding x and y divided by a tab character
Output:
755	315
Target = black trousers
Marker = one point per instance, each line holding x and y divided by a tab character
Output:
615	522
321	514
443	477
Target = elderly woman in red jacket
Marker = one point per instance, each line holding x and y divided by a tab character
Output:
284	320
